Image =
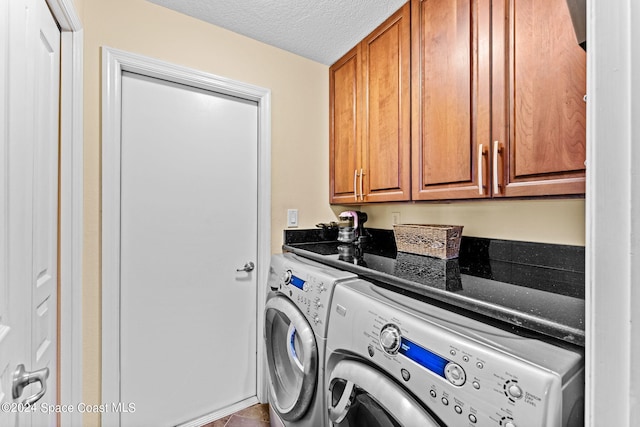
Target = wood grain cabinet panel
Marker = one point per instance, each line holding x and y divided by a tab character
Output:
539	115
451	98
381	135
344	104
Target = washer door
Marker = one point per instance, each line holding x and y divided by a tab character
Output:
292	355
361	396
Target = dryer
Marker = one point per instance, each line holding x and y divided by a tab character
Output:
396	361
296	314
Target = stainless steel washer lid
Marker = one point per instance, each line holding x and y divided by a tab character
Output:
292	356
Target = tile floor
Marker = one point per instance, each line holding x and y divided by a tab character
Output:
253	416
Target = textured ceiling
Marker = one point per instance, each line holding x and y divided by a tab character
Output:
321	30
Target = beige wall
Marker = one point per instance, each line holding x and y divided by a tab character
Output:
299	124
299	144
548	221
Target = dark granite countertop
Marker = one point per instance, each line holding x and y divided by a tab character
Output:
532	286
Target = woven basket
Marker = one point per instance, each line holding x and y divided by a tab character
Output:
439	241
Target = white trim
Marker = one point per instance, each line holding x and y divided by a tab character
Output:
224	412
612	219
114	62
71	206
65	13
111	79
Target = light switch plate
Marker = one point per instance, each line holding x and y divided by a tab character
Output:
395	218
292	217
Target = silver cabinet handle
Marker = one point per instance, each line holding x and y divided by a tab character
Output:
22	378
361	190
480	171
355	184
249	266
496	183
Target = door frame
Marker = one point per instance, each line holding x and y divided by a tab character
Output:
71	201
114	63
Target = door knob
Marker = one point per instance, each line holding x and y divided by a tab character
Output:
22	378
249	266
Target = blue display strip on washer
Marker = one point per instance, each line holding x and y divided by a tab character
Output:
297	282
423	357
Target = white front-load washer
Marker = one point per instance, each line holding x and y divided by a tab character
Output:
296	317
396	361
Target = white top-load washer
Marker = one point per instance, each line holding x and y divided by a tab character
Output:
396	361
296	314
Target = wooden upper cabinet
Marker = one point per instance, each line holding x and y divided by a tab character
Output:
460	99
450	98
370	114
345	118
386	133
539	115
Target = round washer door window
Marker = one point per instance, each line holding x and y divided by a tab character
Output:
292	356
361	396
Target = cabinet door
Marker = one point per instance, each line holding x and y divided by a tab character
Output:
450	98
386	125
538	109
344	131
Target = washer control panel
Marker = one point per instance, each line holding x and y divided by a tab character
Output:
468	373
310	294
392	342
308	285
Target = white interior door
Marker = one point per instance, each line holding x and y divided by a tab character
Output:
29	135
188	221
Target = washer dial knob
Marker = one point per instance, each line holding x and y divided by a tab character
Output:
286	277
390	338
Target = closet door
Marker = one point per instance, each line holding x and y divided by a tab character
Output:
188	243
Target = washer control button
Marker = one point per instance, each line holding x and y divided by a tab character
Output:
473	418
457	409
509	424
455	374
465	358
476	385
390	338
479	365
432	393
515	391
406	375
445	401
371	351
